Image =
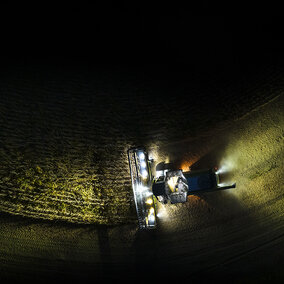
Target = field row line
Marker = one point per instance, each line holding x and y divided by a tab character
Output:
51	215
72	195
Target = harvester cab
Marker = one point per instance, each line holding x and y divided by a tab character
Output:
170	185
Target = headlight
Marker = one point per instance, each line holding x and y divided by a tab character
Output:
143	164
141	156
149	201
152	218
144	174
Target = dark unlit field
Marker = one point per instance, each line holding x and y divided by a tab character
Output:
64	158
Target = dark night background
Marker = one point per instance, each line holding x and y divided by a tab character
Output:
204	37
163	44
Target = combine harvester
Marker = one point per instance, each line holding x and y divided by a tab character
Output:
168	186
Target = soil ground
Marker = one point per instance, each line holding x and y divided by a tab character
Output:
235	235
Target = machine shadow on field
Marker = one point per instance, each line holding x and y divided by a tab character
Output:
104	250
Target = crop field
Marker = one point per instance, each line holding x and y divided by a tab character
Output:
65	192
63	154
